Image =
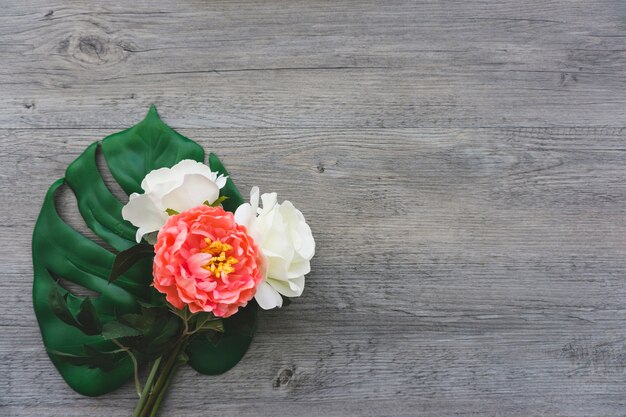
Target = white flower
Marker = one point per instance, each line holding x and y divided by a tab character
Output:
187	184
286	242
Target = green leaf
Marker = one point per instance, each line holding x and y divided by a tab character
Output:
215	324
161	336
234	197
159	328
90	358
171	212
58	305
60	252
88	318
142	322
217	202
116	330
126	259
158	301
213	354
150	145
106	361
214	337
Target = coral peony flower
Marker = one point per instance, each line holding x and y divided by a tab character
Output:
181	187
204	260
286	242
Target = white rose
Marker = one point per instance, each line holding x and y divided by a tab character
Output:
187	184
286	242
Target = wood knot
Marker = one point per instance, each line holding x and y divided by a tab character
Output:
93	49
91	46
284	376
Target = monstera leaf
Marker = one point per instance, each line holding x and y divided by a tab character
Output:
82	334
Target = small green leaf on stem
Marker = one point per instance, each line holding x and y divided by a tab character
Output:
171	212
85	320
217	202
116	330
202	322
92	358
215	325
129	257
103	360
214	337
88	318
58	305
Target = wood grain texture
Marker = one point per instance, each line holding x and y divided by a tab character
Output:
462	166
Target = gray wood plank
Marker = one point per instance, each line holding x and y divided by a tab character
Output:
314	64
459	271
462	166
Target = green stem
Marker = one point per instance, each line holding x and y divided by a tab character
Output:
165	374
165	367
159	399
135	366
146	389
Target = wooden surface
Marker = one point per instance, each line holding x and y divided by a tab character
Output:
462	165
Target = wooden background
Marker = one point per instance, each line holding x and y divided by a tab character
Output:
461	163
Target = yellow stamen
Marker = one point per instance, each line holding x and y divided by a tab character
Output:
219	263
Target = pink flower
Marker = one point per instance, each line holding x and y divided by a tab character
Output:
204	260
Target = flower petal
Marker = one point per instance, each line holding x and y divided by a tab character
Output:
140	210
221	181
194	190
297	269
244	215
290	288
183	255
254	198
159	181
306	247
267	297
269	201
277	266
187	184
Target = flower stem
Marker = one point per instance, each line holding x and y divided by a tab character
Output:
135	366
146	389
157	402
165	375
164	368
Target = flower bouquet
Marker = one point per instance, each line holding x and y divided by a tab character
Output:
180	269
